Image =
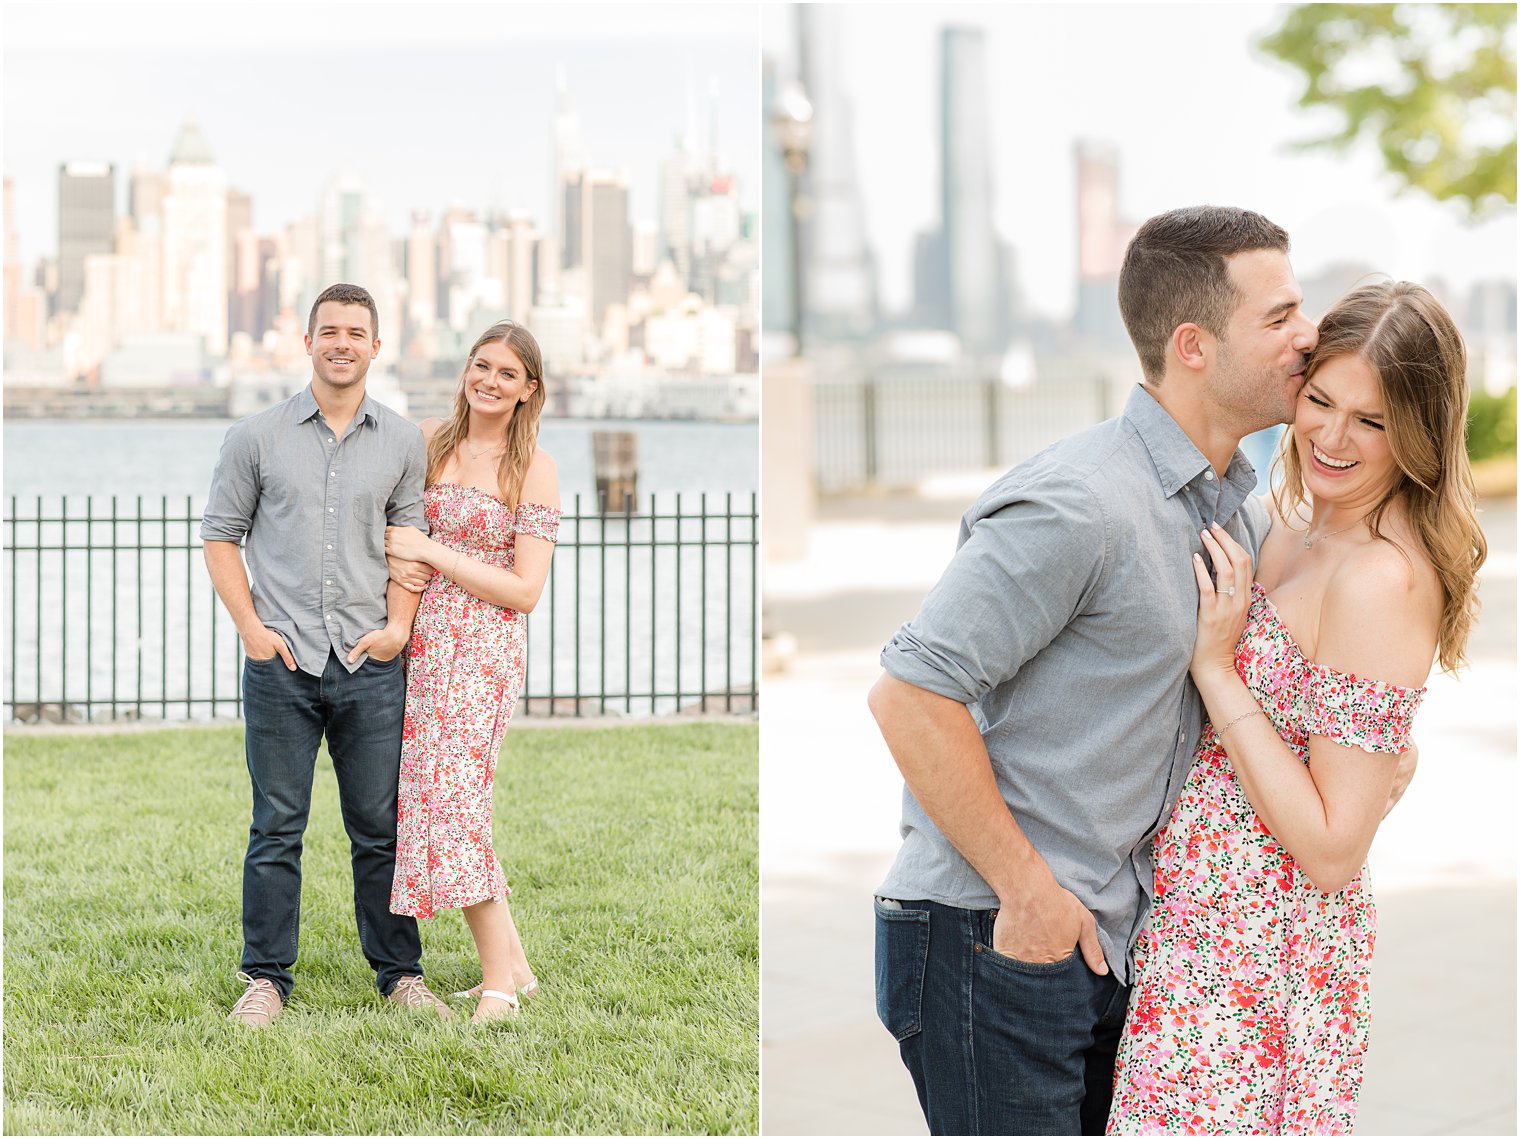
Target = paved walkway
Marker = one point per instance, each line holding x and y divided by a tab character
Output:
1443	1044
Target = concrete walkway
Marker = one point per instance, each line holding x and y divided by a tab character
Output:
1443	1034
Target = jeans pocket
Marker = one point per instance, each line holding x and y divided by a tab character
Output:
902	956
1021	966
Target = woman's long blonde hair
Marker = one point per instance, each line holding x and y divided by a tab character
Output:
1411	344
522	431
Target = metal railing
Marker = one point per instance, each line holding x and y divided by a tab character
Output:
896	428
110	614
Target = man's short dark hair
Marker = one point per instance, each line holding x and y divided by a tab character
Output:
345	295
1176	271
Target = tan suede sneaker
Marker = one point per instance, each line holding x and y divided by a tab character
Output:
259	1004
410	992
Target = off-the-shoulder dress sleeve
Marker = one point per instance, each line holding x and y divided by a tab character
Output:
1370	714
535	521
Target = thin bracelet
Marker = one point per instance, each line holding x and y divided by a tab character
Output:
454	565
1219	732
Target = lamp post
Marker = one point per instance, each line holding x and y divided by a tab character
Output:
792	120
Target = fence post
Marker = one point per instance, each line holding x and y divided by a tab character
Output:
868	414
991	407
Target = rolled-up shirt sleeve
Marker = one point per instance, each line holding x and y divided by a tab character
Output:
405	506
234	488
1029	559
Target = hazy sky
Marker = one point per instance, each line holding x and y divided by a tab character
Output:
1196	114
427	104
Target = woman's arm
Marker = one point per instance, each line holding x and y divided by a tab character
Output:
1326	813
517	588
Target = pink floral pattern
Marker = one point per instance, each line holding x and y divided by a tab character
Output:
1250	1007
465	668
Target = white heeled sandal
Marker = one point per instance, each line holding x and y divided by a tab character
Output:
525	991
510	999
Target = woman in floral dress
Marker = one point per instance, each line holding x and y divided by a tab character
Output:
492	503
1250	1008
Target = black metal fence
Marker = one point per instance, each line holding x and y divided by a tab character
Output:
111	616
894	428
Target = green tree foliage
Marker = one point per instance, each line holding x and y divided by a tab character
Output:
1491	425
1433	85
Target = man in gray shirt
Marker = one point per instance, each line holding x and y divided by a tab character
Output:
1039	705
311	485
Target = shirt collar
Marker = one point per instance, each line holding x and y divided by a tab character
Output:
1177	459
306	407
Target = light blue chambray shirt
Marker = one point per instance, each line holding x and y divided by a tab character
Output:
1066	622
313	508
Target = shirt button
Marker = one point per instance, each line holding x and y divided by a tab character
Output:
329	581
329	510
1209	475
334	474
329	547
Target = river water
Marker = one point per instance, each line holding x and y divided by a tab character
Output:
642	616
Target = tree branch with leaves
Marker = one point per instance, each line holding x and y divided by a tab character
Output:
1431	85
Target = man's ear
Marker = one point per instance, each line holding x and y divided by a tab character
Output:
1192	346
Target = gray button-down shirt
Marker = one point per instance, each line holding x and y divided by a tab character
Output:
1066	622
314	509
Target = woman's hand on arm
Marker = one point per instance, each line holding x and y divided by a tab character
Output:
407	543
413	576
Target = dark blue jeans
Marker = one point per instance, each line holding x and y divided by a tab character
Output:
287	713
996	1046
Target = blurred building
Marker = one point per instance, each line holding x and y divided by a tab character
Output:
841	271
86	225
1102	237
195	242
610	240
25	305
1488	325
963	272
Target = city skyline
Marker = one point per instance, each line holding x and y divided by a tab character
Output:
1054	84
260	101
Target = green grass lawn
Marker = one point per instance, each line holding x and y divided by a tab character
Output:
632	858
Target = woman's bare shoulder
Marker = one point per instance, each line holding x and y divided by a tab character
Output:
541	482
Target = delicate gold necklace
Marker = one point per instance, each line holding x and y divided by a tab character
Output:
478	455
1309	542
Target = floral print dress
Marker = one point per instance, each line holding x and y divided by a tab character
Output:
464	670
1250	1007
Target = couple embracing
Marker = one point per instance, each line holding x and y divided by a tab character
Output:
1149	724
371	544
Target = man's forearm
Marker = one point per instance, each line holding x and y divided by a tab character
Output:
224	562
400	607
944	761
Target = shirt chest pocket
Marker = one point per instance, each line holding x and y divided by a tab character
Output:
1156	595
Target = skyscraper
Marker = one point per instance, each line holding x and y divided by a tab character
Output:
86	224
1101	239
521	240
421	273
841	277
611	255
977	311
195	242
567	160
678	173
